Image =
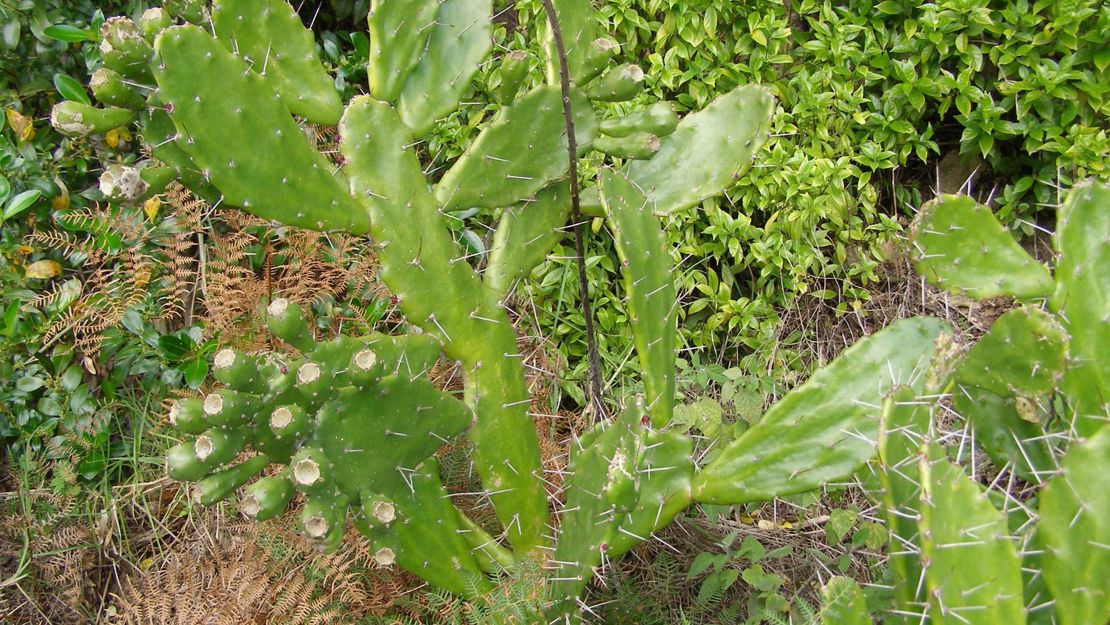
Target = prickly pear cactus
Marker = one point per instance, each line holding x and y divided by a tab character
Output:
351	424
1007	381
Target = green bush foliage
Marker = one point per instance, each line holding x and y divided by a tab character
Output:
872	95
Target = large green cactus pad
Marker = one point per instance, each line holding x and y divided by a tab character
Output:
825	429
521	152
601	488
457	45
1074	531
963	248
648	272
707	151
231	124
161	135
972	570
526	232
426	537
269	35
903	425
442	294
374	435
1083	298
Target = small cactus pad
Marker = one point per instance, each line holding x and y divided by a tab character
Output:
269	35
602	487
521	152
514	69
842	603
1024	353
1074	532
459	41
1083	298
825	429
665	473
77	119
620	83
110	88
398	35
191	11
658	119
972	569
707	151
649	285
963	248
526	232
229	116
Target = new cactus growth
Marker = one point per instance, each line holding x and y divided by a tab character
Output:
78	119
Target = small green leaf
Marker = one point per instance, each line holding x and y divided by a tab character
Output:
71	379
29	384
68	33
20	203
700	564
70	89
172	347
195	372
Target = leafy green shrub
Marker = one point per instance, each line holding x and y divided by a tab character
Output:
871	96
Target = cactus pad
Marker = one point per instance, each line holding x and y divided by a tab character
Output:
269	35
228	116
963	248
707	151
649	283
521	152
825	429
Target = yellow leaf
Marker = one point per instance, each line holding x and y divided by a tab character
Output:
764	524
43	270
61	202
21	124
759	37
142	276
151	206
24	250
112	138
787	525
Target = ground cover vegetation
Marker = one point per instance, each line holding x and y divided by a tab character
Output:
754	183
